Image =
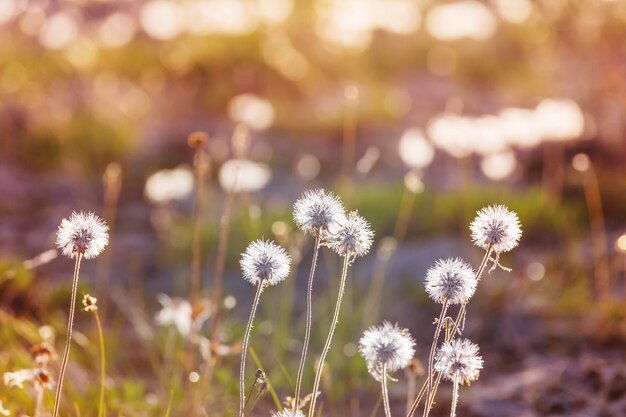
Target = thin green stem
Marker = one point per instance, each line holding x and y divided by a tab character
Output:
309	321
383	384
329	338
70	324
244	349
102	365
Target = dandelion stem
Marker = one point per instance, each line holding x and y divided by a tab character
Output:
383	384
455	395
333	325
70	323
462	311
431	357
309	321
244	349
102	364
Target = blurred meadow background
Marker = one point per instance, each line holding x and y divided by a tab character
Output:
416	112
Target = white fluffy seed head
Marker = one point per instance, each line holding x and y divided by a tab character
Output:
317	211
264	262
387	345
288	413
353	236
496	226
83	233
451	280
459	359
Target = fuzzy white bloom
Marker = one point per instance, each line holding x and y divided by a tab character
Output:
353	237
387	345
451	280
288	413
175	311
317	211
459	359
497	227
83	233
265	262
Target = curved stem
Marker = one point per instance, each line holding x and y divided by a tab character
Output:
70	324
102	365
320	364
431	356
309	321
244	350
385	392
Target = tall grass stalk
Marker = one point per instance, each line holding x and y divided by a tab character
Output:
112	183
240	145
70	324
244	350
101	406
198	141
333	325
309	321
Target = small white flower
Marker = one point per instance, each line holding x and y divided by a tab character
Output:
37	376
264	262
317	211
497	227
83	233
288	413
176	311
459	359
387	345
18	378
90	303
451	280
353	237
4	411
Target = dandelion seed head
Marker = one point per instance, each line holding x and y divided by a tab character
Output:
82	233
265	262
451	280
459	358
386	345
318	210
353	236
496	226
288	413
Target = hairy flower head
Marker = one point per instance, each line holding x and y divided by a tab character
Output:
496	226
318	210
82	233
451	280
353	236
387	345
288	413
175	311
459	359
265	262
90	303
